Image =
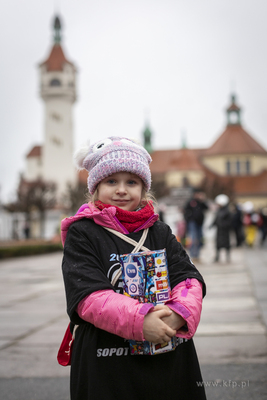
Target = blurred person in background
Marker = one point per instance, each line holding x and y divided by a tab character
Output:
223	223
161	211
250	222
263	225
237	225
181	229
194	213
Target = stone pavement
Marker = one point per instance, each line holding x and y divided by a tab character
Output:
33	322
33	317
231	338
234	318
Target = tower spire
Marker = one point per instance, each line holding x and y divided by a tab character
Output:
147	134
57	30
183	139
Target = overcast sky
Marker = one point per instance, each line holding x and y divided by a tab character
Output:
174	62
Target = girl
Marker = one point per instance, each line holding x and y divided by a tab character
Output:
102	367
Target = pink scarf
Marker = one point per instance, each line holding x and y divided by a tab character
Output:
131	220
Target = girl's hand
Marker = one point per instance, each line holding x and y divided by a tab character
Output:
173	320
155	329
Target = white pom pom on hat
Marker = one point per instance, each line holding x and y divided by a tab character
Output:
80	155
222	200
248	207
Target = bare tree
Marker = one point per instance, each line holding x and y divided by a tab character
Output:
213	186
76	195
159	188
37	194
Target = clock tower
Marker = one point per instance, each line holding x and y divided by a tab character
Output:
233	113
58	91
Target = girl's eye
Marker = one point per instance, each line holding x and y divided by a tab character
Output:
132	182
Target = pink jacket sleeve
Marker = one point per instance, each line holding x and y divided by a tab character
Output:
114	313
186	300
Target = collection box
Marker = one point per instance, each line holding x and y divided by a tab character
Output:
145	278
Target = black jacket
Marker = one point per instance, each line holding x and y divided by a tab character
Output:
223	222
194	211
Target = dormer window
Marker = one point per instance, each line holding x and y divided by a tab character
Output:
228	167
55	82
248	167
237	167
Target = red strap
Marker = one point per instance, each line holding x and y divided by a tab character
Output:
64	352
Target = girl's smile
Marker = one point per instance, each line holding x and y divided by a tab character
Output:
122	189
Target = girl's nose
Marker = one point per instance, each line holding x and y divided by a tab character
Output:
121	189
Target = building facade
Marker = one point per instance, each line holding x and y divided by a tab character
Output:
236	164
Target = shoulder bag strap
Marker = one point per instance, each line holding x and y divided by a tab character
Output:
138	245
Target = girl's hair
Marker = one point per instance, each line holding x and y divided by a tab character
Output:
147	198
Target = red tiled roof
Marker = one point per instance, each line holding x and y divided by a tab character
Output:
235	140
233	107
170	160
56	59
247	185
35	152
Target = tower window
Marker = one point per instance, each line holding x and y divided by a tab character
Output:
55	82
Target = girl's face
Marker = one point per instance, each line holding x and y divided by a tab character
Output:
121	189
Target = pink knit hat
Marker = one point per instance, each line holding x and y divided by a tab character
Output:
111	155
